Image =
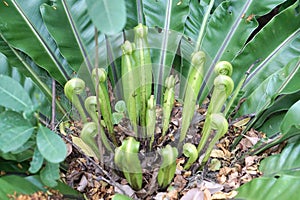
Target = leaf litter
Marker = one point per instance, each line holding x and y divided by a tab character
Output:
226	170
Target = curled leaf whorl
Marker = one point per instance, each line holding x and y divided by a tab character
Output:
224	83
198	58
127	48
141	30
88	134
223	68
127	160
151	119
168	167
170	82
102	75
90	105
190	151
72	88
220	125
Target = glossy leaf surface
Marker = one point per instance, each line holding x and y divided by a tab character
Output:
14	131
50	145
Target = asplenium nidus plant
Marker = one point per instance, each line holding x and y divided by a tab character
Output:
126	156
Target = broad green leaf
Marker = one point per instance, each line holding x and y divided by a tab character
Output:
14	131
234	19
15	184
280	177
26	67
134	14
34	40
170	16
286	162
63	188
111	19
272	124
265	93
50	145
20	157
291	119
293	84
84	32
37	161
58	25
270	188
281	104
36	95
15	137
283	44
50	174
13	96
10	166
195	19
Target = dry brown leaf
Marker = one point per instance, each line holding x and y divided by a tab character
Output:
82	184
193	194
250	160
216	153
222	195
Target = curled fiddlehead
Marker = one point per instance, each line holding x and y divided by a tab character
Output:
144	67
129	82
223	68
88	135
169	98
151	119
103	96
72	89
168	167
223	87
190	151
195	78
90	105
127	160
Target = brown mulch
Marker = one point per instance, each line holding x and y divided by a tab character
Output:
226	170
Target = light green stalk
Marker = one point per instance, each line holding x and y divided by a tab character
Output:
190	151
144	65
220	125
169	98
72	89
223	87
195	79
129	82
90	104
151	119
168	167
127	160
103	96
